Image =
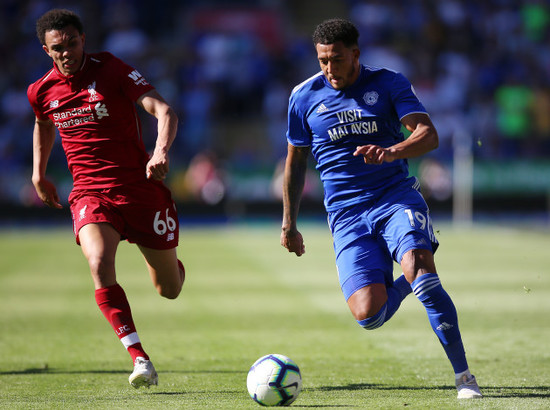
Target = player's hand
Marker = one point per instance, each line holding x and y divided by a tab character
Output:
292	240
47	193
374	154
158	166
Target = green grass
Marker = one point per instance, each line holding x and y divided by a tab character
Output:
244	297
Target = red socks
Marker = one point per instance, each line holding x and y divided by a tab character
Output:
114	305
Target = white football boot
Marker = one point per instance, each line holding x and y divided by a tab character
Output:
144	373
467	388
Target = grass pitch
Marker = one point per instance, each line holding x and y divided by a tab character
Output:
244	297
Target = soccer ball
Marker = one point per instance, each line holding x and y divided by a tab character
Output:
274	380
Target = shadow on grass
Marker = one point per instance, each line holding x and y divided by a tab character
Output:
538	392
240	392
541	392
48	370
532	392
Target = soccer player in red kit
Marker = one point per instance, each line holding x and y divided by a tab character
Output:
118	191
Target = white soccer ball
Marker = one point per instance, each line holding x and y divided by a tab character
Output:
274	380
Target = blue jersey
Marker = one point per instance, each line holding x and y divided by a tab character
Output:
334	122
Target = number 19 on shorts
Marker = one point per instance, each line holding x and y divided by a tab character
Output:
418	220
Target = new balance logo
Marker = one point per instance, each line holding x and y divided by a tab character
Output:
322	108
444	326
137	78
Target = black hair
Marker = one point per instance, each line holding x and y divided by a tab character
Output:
57	19
334	30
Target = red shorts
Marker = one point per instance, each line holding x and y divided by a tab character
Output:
143	213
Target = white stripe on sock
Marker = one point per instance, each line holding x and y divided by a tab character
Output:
425	286
130	340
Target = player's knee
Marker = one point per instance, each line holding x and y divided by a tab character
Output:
367	301
366	309
170	291
99	265
374	321
362	312
171	288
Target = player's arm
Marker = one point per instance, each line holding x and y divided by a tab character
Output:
293	186
43	140
154	104
423	139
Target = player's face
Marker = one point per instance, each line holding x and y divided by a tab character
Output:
340	64
66	48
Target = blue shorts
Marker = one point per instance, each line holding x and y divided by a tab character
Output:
369	237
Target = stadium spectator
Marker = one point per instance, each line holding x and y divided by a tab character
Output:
482	37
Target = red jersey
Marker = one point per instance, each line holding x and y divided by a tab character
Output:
95	113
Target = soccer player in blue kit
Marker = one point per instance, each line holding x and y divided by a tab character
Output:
349	116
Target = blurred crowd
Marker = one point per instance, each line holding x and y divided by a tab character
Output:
482	69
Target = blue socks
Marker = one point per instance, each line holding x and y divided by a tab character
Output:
439	307
443	318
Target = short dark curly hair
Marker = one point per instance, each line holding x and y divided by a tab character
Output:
57	19
334	30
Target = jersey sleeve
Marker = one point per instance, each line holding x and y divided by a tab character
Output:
134	85
404	98
31	95
299	133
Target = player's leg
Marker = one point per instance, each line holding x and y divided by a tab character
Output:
419	268
168	274
408	233
368	301
365	269
152	223
166	270
150	220
99	242
375	304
